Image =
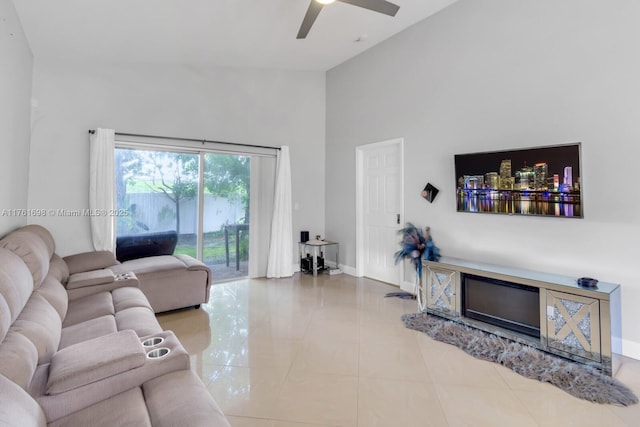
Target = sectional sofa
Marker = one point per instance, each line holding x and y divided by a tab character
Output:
97	358
168	281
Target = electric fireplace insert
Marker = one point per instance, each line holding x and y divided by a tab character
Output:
512	306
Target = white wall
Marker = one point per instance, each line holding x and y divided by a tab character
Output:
265	107
16	68
500	74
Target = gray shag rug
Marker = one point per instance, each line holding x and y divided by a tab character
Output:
581	381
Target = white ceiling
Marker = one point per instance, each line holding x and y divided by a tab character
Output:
237	33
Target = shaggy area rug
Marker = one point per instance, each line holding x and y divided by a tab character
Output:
581	381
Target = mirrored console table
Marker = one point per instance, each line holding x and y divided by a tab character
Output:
547	311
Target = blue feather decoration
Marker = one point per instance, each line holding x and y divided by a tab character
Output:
416	246
431	252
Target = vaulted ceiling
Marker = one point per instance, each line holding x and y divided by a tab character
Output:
237	33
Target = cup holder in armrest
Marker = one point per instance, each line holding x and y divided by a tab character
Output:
123	276
158	353
151	342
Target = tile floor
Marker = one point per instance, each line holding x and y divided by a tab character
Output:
332	351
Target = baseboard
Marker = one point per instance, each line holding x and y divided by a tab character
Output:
409	287
351	271
631	349
343	268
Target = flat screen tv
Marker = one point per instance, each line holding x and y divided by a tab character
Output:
541	181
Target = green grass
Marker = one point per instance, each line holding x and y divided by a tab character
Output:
207	252
213	250
185	250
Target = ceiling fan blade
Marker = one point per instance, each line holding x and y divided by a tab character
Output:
309	19
381	6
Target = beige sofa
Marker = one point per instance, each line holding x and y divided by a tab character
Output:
168	281
98	359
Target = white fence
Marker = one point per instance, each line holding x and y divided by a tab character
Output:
151	212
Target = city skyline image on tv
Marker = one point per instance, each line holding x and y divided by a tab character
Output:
535	181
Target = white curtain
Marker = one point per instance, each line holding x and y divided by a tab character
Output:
262	191
280	262
102	189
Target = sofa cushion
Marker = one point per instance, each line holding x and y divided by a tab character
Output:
89	307
33	251
140	319
19	357
94	360
44	235
87	330
169	396
124	409
40	322
5	317
16	286
88	261
55	294
58	268
129	297
17	408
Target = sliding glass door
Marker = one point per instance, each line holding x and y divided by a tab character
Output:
225	241
197	201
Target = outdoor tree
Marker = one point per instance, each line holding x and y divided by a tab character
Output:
176	176
228	176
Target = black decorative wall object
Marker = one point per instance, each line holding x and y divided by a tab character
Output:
430	192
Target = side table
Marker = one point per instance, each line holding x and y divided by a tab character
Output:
316	247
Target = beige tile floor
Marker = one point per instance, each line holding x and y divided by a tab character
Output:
332	351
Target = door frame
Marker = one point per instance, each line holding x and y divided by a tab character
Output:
360	150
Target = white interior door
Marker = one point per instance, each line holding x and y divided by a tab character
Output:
380	209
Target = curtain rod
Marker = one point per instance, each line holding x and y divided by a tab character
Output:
92	131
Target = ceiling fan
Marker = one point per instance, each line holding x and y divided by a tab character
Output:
381	6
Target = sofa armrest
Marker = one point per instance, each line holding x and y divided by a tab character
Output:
93	360
87	261
56	406
93	282
90	278
193	264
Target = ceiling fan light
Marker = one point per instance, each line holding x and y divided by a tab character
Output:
325	1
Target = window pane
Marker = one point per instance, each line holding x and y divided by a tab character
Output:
226	215
159	188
